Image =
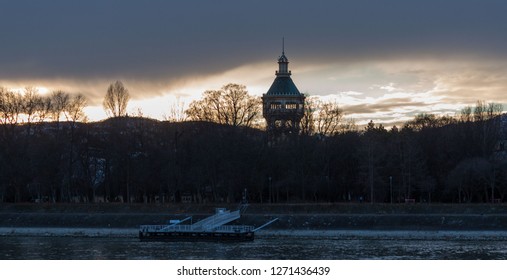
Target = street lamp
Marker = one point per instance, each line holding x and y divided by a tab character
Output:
270	192
391	185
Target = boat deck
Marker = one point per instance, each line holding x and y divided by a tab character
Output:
212	228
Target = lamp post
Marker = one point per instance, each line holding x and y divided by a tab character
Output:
391	187
270	192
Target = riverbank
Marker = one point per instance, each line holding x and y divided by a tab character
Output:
292	217
282	208
267	234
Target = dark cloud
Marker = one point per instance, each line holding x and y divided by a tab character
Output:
168	40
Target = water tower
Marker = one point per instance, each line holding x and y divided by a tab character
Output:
283	105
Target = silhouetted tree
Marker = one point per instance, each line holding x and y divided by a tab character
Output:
11	106
32	104
231	105
471	179
328	118
59	103
176	112
116	100
74	110
308	120
322	118
373	155
431	158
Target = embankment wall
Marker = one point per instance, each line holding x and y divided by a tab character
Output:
291	216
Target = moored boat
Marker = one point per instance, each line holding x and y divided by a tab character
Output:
212	228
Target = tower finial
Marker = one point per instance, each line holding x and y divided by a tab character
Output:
283	45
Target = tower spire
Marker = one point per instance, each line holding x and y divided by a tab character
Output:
283	45
283	62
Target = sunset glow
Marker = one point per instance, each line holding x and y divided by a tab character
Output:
415	67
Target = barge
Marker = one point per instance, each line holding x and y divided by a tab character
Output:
212	228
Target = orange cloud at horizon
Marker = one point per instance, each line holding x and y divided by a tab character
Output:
387	91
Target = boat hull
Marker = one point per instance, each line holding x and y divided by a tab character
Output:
197	236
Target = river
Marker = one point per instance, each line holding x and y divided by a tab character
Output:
350	245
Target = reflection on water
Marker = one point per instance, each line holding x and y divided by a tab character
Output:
297	247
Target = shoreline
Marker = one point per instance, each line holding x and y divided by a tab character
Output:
298	221
448	235
346	234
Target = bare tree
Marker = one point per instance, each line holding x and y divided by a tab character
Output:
423	120
176	112
200	110
323	118
230	105
59	102
31	103
494	110
11	106
116	100
240	108
349	125
329	116
73	114
45	109
308	120
488	125
480	111
465	114
74	109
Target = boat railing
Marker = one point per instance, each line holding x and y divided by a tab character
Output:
165	228
188	228
234	229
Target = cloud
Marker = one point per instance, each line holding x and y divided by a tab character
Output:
389	108
390	87
167	40
411	88
474	84
352	93
436	52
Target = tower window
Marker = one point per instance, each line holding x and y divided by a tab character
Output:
275	106
291	106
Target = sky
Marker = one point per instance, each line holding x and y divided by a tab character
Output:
380	60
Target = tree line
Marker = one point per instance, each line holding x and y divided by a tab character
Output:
49	153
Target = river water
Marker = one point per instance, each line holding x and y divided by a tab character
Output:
349	246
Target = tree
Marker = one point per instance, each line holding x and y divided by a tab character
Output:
231	105
176	112
329	116
74	109
116	100
373	157
31	104
322	118
488	125
11	106
308	122
471	178
59	102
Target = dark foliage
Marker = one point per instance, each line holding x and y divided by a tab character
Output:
126	159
